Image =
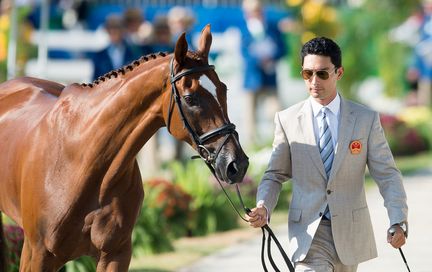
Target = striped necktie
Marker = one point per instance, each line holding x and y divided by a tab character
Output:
326	143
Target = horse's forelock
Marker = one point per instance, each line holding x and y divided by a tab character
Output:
197	56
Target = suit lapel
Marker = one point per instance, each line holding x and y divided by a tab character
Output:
346	127
306	127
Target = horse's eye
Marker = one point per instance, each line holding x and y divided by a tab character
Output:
188	99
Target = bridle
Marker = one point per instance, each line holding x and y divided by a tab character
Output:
209	158
226	129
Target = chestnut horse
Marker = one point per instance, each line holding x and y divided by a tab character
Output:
68	173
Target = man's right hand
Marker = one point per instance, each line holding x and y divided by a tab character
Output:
257	217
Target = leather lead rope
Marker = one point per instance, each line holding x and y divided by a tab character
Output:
269	238
404	259
263	229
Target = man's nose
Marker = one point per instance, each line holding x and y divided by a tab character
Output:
314	78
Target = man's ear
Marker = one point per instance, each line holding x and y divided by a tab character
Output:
340	71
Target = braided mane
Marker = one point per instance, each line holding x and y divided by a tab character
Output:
123	70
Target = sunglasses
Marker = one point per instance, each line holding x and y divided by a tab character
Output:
322	74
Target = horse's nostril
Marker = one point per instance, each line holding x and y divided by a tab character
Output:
232	170
235	171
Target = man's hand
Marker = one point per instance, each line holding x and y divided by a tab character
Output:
396	236
257	217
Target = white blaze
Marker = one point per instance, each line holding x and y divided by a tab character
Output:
207	84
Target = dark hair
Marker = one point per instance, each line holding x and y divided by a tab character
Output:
324	47
132	15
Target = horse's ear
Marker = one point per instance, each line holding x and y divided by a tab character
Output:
205	41
181	49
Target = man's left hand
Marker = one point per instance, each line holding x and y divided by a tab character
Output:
397	239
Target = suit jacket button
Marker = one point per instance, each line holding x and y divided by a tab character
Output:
320	214
329	192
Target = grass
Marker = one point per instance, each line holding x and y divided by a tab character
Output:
188	250
410	164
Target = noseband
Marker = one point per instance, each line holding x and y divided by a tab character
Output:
227	129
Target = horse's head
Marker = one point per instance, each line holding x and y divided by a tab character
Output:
197	110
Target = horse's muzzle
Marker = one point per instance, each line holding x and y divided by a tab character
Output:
232	168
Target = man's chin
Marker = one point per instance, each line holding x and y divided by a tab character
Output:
315	94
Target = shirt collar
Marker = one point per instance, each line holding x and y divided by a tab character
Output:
333	106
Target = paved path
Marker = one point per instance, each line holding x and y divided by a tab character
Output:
418	251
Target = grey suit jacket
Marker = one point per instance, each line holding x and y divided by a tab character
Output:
296	156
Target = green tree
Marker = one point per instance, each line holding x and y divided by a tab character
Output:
367	50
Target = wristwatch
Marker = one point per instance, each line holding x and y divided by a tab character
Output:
403	226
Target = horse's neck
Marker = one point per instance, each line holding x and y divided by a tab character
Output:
117	117
135	107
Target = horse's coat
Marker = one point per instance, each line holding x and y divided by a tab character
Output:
68	173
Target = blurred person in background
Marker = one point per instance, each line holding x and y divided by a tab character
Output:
181	19
74	13
160	39
423	56
323	145
118	52
138	30
410	33
262	46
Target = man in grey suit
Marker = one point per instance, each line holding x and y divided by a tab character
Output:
323	144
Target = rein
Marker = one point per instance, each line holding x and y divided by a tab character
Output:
209	158
264	228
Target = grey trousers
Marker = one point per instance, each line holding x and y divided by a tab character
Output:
322	256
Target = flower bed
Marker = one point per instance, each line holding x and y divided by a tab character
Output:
408	132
